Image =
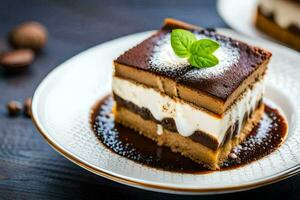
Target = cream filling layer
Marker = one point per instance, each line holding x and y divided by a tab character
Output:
285	12
188	118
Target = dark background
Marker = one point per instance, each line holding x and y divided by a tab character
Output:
29	167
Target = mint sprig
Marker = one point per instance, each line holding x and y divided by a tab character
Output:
199	53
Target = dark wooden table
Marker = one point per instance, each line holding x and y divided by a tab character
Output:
29	167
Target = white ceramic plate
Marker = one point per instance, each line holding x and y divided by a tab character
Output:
62	104
239	15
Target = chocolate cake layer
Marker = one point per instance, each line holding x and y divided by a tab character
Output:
212	88
198	136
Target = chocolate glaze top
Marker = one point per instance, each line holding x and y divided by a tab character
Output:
237	61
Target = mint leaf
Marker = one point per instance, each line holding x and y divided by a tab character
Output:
198	52
181	41
201	53
202	61
204	47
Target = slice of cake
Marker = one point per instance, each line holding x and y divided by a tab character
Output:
281	20
200	112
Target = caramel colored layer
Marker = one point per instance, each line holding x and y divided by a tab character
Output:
196	97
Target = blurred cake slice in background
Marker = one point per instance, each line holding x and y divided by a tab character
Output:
280	19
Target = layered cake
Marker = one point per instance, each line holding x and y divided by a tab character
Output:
201	112
280	19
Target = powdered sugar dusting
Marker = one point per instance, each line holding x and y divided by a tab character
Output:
164	58
267	123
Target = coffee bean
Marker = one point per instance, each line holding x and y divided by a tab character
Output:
27	107
17	60
32	35
14	108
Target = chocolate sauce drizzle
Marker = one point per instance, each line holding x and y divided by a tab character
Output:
265	137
